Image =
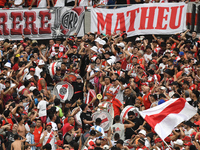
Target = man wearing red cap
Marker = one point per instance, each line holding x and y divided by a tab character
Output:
158	144
48	136
69	135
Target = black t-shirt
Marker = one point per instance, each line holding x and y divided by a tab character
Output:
78	91
1	142
57	78
98	148
151	136
86	116
129	100
130	131
9	140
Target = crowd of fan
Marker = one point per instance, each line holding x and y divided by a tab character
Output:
144	73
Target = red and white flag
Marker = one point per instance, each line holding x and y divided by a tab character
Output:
163	118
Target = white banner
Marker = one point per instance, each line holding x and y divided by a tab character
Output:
140	19
41	23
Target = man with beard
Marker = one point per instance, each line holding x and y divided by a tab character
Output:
10	136
130	131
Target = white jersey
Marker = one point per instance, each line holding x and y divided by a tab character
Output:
52	141
83	3
118	92
17	2
59	3
41	3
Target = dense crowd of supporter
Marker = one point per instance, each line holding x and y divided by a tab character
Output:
143	73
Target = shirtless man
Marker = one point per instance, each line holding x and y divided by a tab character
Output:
21	127
17	144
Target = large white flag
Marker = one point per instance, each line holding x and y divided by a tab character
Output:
163	118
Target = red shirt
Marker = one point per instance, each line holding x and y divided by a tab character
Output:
15	67
192	87
116	106
37	133
124	63
9	121
146	101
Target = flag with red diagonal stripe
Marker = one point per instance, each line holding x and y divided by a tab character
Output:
163	118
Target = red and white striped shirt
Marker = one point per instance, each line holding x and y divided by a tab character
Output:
91	94
61	49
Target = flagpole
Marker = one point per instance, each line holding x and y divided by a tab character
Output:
167	144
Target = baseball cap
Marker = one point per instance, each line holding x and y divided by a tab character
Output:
121	45
167	51
188	144
179	142
187	138
48	124
58	68
105	147
41	62
91	147
59	143
32	69
167	139
110	93
120	142
56	45
74	46
158	140
181	53
7	65
65	57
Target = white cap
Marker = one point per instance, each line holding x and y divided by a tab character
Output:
121	45
102	42
94	48
143	132
32	88
137	39
106	147
97	69
167	51
21	88
15	46
142	37
162	88
28	77
97	39
178	142
111	60
41	62
7	65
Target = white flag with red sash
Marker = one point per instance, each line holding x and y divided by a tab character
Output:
163	118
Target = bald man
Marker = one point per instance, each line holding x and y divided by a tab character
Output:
146	101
